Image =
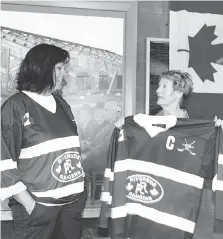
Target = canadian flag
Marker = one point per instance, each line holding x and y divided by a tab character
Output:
196	46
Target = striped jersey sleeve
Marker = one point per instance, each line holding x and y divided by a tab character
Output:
218	184
106	195
110	196
11	141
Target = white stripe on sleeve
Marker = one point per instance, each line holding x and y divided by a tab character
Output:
106	197
7	164
109	174
220	159
12	190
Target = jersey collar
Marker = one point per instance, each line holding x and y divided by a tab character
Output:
147	121
47	102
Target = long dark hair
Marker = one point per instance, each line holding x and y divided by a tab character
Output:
37	69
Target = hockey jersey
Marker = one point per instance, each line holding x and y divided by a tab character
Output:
156	170
40	151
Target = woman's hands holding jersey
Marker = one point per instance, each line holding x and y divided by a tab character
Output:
120	122
218	122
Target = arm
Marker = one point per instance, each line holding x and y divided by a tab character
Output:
26	200
11	143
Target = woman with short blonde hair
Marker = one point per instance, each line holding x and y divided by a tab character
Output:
174	86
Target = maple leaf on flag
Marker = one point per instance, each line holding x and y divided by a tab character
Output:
202	53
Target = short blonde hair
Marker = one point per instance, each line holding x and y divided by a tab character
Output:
182	81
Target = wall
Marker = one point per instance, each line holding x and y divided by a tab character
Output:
153	21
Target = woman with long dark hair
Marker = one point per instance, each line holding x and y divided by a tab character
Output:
41	170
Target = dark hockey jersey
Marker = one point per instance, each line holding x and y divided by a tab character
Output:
157	167
40	151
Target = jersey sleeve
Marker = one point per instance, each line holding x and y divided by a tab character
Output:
111	196
218	184
11	142
107	189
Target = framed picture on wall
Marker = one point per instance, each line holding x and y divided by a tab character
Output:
157	61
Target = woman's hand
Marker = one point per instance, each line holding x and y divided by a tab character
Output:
218	122
29	207
120	122
26	200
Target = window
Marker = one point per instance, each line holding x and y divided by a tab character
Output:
101	80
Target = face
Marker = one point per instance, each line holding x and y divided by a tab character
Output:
60	71
165	92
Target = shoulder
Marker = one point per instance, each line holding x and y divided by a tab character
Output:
15	102
14	109
17	97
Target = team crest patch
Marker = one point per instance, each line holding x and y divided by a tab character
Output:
67	167
143	188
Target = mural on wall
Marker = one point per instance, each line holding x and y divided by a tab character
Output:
93	86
